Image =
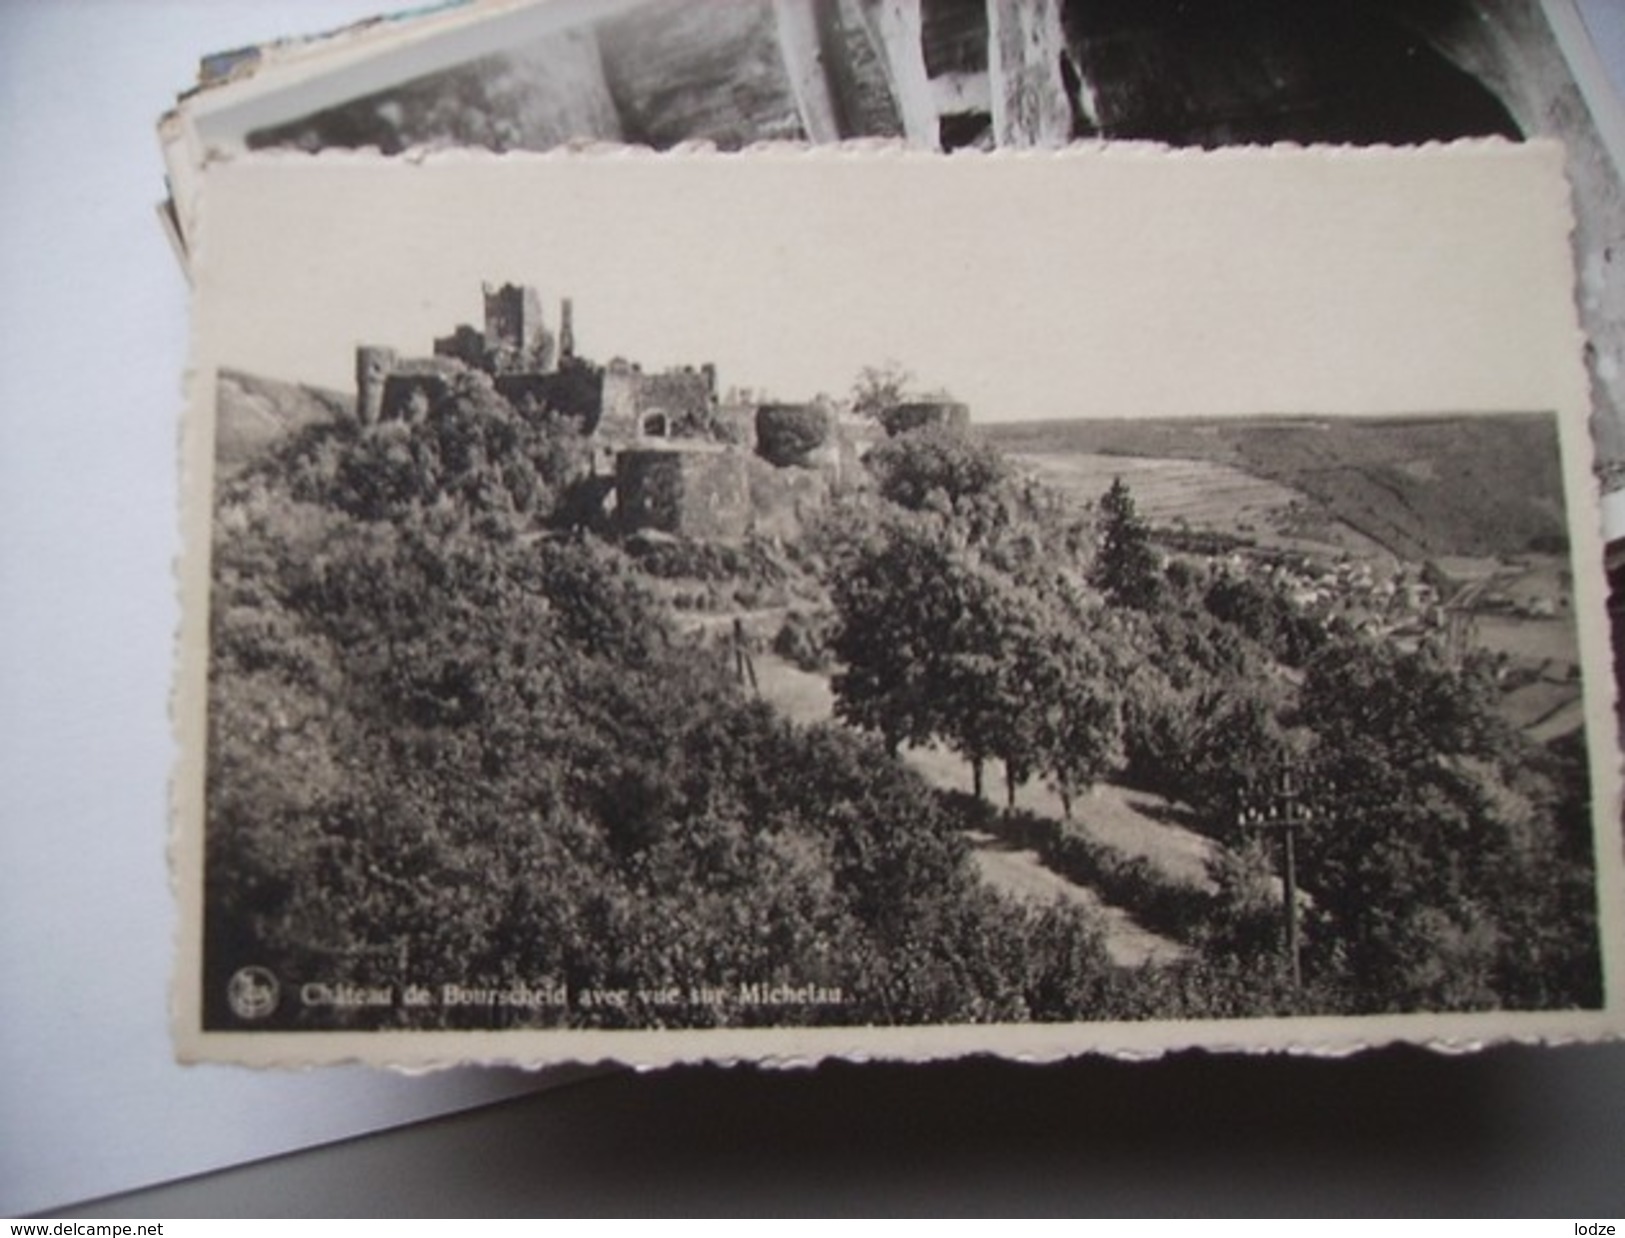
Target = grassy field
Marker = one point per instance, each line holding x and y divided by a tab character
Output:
1529	640
253	414
1420	487
1203	496
1545	709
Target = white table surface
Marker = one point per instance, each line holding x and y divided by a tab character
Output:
92	347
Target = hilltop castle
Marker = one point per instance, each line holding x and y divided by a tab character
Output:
674	457
529	364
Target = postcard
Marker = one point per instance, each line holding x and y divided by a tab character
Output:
945	75
766	606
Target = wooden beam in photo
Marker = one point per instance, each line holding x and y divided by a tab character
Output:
1028	93
799	45
899	28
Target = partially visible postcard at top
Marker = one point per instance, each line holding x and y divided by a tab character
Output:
945	75
767	606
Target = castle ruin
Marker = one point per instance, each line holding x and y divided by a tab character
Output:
674	457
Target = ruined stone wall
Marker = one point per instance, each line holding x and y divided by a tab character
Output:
618	404
636	405
784	500
736	423
575	391
567	331
693	492
917	414
854	438
464	344
415	386
408	397
684	398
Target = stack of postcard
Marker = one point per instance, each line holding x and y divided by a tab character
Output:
770	529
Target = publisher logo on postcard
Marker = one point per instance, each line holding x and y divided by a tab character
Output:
252	993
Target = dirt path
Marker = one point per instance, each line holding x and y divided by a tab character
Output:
805	697
1021	874
714	621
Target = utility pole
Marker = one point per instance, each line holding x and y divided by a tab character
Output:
744	664
1279	808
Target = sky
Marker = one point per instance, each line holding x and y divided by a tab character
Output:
1117	283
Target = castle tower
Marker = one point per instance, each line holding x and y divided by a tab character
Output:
372	368
567	331
515	336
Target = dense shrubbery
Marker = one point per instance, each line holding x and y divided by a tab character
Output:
938	468
804	639
683	558
469	450
1441	876
787	434
1263	615
1175	909
442	749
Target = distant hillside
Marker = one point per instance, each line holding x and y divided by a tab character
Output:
252	413
1463	485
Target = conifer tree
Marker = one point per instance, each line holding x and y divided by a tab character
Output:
1125	568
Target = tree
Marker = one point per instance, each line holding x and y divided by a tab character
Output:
1079	729
898	595
1266	615
1414	705
1439	877
927	635
983	709
1238	745
938	643
938	469
879	389
1125	568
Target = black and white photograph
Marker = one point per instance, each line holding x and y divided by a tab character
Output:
954	73
634	606
945	74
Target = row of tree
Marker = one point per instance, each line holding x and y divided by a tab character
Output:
937	644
